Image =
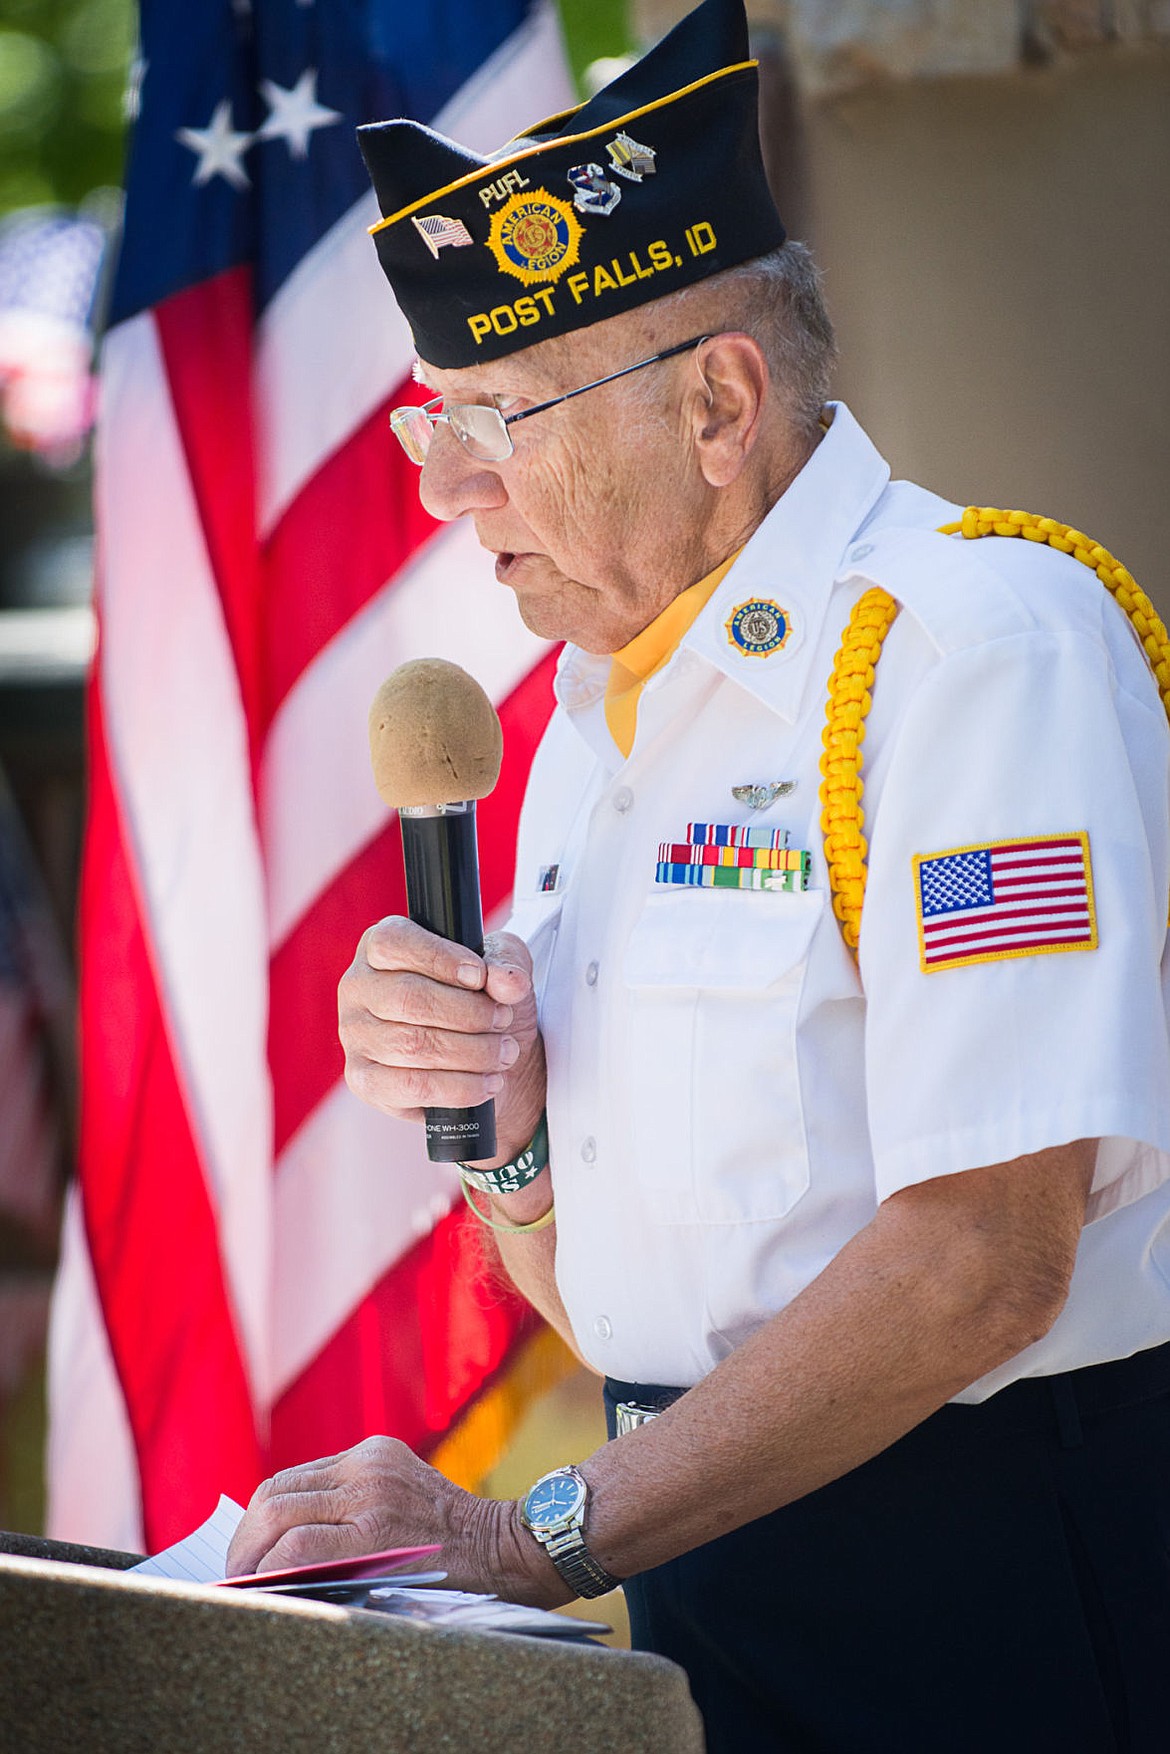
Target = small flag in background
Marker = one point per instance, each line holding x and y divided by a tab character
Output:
1004	898
268	1270
50	265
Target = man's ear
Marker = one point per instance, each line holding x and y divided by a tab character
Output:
729	404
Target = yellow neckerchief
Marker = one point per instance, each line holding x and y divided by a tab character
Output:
649	650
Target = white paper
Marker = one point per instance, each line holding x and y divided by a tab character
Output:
202	1556
480	1613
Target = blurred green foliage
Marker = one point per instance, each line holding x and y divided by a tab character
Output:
63	68
594	28
63	73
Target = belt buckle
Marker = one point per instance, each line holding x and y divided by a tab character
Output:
629	1415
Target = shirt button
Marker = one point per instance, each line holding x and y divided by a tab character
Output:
623	799
588	1150
603	1328
591	974
862	549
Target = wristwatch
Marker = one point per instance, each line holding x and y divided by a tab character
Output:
554	1511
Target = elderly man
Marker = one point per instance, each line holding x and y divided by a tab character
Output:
859	1152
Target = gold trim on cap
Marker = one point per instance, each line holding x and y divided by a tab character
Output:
500	164
546	122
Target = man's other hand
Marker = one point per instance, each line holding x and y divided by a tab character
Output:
428	1024
379	1495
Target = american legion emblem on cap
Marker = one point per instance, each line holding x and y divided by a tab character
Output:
655	183
535	237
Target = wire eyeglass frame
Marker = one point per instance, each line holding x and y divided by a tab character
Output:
482	428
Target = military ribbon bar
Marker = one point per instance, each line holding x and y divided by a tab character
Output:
742	858
729	877
731	834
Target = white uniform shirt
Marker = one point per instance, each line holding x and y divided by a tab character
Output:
731	1096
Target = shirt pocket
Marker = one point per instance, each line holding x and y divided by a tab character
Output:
713	983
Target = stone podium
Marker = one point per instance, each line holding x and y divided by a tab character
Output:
115	1664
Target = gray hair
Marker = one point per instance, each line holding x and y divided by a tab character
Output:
774	299
784	309
777	299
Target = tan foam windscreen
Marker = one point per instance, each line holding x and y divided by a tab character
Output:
434	736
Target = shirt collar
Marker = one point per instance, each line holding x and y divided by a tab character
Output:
790	561
648	651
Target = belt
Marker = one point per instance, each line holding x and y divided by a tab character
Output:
634	1404
1030	1404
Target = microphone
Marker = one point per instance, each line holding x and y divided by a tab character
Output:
435	748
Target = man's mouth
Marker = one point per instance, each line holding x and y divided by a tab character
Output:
508	565
515	566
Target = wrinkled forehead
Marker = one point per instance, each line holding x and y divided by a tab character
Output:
543	370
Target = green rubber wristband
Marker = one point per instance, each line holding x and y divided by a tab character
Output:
509	1178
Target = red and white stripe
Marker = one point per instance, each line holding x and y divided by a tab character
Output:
262	1268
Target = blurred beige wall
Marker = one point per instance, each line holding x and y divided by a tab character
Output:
987	185
997	253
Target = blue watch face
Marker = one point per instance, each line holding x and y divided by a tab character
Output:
553	1499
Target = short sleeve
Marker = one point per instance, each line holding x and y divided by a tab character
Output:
1024	791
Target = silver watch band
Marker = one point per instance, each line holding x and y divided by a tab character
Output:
563	1540
577	1565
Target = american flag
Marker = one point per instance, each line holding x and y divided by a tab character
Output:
1005	898
50	265
261	1269
437	231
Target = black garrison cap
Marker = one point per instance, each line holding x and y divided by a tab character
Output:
655	183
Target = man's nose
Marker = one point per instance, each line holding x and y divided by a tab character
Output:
454	482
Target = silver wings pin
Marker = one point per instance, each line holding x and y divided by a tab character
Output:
759	797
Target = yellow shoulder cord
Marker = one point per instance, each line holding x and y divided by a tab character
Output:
842	817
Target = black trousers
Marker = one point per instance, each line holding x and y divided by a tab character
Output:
997	1582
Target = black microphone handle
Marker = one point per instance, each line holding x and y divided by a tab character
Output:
441	858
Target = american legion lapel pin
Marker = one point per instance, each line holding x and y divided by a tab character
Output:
758	628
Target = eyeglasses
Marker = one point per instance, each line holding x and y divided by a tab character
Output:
481	428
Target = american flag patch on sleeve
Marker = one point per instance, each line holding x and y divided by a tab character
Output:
1005	898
